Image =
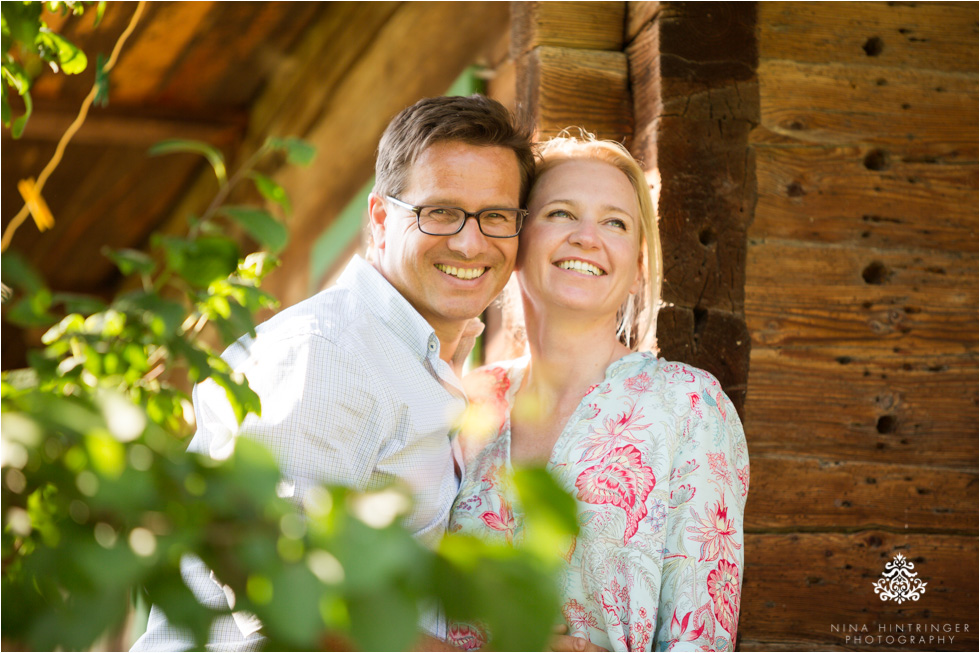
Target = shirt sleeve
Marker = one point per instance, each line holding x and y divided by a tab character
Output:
322	421
703	551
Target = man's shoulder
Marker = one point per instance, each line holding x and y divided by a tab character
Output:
331	318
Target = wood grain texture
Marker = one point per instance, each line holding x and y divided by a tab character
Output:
832	494
828	195
929	35
581	25
848	404
876	300
638	16
797	587
926	112
565	87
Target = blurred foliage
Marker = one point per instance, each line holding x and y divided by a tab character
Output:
100	496
29	45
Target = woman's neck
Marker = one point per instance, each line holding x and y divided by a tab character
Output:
569	352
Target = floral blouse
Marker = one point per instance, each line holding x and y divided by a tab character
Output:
655	457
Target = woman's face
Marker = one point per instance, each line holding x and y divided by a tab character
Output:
580	248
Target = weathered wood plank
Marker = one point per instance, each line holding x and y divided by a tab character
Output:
566	87
502	87
584	25
930	35
822	194
789	493
849	404
638	16
841	104
146	61
706	197
877	300
800	587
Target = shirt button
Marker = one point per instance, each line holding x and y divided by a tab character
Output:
433	346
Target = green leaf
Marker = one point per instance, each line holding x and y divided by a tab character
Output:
298	152
203	260
242	398
70	57
272	191
212	154
99	12
18	273
101	82
260	225
130	260
17	128
78	303
162	316
23	21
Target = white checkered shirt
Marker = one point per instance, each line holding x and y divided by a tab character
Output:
353	393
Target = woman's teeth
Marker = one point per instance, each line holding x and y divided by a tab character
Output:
461	273
580	266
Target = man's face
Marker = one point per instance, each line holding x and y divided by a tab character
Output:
449	279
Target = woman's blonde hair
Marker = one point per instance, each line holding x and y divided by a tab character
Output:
638	315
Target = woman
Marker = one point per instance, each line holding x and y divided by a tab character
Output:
652	451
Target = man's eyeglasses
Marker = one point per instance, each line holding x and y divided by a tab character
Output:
449	220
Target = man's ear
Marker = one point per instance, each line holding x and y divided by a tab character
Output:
377	214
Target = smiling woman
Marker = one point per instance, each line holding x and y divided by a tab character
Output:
652	451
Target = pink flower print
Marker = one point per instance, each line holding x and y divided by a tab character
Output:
743	479
720	400
719	466
489	478
466	636
621	480
723	587
682	495
679	631
639	384
685	469
579	618
501	521
592	411
639	634
715	532
696	403
613	432
591	388
678	372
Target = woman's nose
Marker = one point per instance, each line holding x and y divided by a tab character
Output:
584	234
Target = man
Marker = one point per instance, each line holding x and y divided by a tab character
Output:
355	382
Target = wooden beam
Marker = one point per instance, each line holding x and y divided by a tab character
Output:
580	25
565	87
833	494
840	403
695	101
132	129
934	36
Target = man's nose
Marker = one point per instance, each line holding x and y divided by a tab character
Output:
470	241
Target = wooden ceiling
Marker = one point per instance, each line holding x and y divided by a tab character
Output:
230	74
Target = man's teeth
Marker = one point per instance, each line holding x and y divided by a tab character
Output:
581	266
461	273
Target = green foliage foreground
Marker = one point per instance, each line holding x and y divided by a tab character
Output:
100	497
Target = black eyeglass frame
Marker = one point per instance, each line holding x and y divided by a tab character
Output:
417	210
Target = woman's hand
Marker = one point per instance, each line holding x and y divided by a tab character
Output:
562	642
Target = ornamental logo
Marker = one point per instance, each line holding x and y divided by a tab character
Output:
899	583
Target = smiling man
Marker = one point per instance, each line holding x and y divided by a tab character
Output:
356	383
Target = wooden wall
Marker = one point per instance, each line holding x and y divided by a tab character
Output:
816	172
861	298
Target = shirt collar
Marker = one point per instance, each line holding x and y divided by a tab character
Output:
390	307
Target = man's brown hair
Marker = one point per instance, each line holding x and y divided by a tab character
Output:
474	120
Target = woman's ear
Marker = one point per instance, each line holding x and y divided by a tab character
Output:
377	214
